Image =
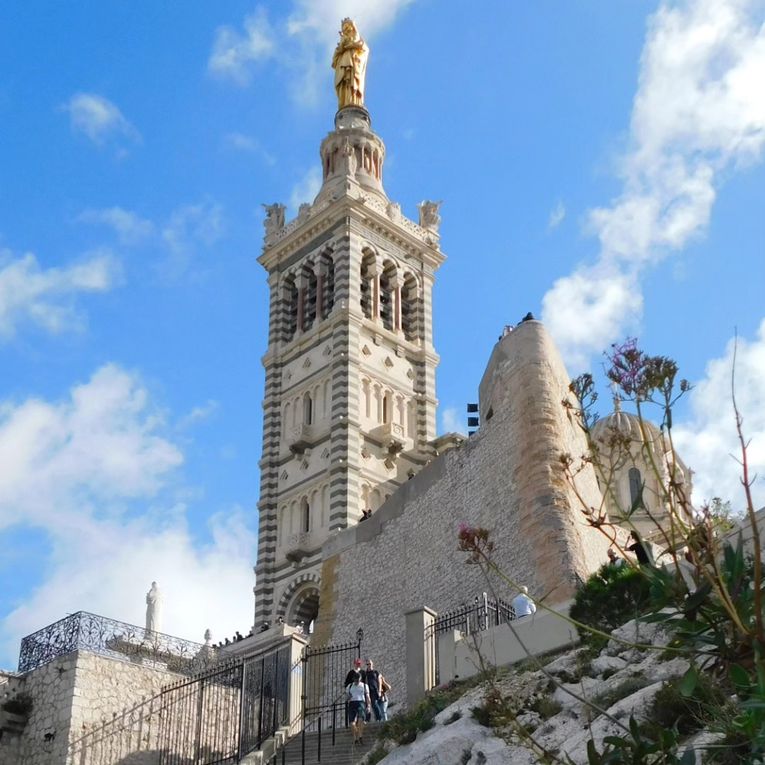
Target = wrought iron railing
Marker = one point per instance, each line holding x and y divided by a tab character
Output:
83	631
469	619
477	616
224	714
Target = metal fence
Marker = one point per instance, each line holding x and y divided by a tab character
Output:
224	714
468	618
477	616
83	631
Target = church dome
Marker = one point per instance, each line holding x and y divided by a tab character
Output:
629	427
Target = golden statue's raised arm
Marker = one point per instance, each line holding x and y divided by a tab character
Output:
350	65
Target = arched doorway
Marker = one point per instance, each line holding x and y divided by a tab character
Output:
304	607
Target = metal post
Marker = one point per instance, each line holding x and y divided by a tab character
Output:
303	659
274	691
334	721
318	751
260	706
242	727
198	736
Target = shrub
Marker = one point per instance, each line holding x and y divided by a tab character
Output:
19	705
546	707
671	709
404	728
610	597
376	755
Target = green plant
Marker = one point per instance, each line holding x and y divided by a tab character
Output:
645	745
708	596
546	707
376	755
496	710
19	705
404	728
456	715
673	707
610	597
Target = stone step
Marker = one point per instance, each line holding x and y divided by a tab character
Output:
344	752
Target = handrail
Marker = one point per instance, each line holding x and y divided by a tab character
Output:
302	731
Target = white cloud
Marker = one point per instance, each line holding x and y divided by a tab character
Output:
46	297
557	214
322	20
707	441
699	111
250	144
306	189
188	228
199	414
86	470
452	420
234	53
98	118
302	46
129	227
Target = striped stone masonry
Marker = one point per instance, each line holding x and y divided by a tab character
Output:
350	403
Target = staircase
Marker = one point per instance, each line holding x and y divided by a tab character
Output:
342	753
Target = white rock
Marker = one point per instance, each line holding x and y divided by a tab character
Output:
606	663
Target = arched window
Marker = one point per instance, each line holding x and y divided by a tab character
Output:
328	285
386	295
305	515
410	308
307	409
387	407
367	397
366	286
309	297
289	308
325	506
636	488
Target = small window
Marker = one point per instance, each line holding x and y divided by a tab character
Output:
636	488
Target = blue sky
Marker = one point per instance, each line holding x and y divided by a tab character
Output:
600	167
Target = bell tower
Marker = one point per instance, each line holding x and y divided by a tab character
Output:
349	408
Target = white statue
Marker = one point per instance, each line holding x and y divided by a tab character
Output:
274	221
153	609
429	217
208	638
348	154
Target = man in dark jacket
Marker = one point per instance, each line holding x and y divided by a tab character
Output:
372	679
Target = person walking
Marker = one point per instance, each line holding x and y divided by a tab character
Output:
385	689
352	672
638	547
358	707
372	679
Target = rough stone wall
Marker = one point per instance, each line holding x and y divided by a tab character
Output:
115	710
89	710
507	478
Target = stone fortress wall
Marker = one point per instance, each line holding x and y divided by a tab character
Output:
507	477
88	709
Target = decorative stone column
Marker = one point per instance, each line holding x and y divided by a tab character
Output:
420	653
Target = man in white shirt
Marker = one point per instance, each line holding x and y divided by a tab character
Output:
522	604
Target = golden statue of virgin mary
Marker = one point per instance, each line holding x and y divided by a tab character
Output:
350	65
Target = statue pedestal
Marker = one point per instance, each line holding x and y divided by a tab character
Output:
353	117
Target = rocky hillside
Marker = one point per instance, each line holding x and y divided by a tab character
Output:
531	715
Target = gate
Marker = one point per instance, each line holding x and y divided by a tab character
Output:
324	672
224	714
